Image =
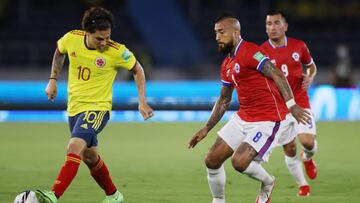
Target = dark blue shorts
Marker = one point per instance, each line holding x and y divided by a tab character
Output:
87	125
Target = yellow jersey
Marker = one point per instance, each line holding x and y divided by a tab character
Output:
91	72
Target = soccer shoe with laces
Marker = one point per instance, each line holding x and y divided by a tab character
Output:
310	167
114	198
265	192
45	196
304	191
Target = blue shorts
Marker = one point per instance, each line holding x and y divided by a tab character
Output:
87	125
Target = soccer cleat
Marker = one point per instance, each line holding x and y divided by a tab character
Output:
114	198
310	168
45	196
304	191
265	192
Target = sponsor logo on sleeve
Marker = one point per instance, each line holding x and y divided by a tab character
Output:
258	56
125	55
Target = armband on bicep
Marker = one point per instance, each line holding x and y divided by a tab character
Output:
268	68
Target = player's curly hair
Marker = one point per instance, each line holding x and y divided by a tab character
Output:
97	18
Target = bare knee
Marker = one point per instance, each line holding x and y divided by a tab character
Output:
243	156
307	140
90	161
240	163
90	157
290	149
212	163
218	153
76	146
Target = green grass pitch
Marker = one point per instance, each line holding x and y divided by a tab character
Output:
150	163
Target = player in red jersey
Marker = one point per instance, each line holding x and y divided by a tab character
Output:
289	55
256	128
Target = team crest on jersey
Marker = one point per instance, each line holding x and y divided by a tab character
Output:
100	62
237	68
296	56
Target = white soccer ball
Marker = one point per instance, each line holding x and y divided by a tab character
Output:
27	196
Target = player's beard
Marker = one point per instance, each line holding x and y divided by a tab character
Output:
226	48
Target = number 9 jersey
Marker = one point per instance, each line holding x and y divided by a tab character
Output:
289	59
92	72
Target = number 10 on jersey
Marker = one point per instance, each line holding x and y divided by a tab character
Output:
84	73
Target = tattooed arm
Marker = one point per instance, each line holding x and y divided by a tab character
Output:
57	64
269	70
221	105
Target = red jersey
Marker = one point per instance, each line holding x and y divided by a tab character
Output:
289	59
258	96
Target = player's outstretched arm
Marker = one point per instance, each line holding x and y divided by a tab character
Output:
221	105
139	77
282	84
308	78
57	64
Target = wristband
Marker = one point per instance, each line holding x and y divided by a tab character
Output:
53	79
290	103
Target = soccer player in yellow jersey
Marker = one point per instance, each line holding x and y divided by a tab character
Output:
93	63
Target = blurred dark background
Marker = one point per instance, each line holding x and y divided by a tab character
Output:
174	39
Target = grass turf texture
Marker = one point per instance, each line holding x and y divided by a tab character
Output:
150	163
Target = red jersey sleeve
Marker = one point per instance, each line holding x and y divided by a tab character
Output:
306	56
254	57
225	74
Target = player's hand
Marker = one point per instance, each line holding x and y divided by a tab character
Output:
201	134
300	114
146	111
307	80
51	90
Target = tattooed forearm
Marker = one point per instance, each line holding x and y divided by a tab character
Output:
221	105
57	64
281	82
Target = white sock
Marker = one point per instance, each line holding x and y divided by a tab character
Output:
216	179
257	172
308	154
218	200
295	168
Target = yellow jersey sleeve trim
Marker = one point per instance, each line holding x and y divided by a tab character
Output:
114	45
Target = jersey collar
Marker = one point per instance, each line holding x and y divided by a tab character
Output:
273	45
237	47
87	45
